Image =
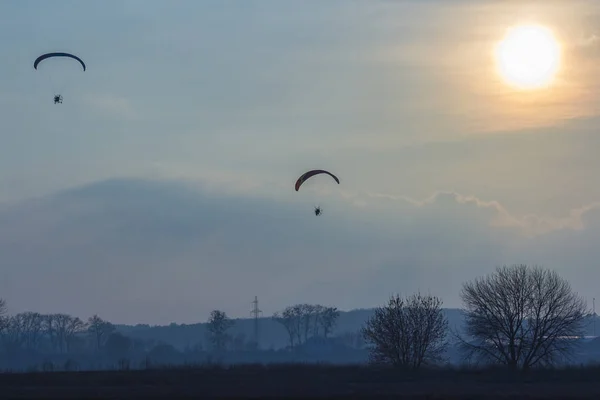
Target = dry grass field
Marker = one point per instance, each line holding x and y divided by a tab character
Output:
303	381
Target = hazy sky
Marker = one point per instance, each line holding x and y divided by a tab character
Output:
163	184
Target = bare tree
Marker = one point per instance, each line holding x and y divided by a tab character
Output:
302	321
4	323
99	330
521	317
32	327
3	312
74	328
327	319
12	334
298	321
407	332
61	322
218	325
287	318
49	330
307	314
66	329
23	331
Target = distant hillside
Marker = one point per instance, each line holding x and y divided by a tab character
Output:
271	333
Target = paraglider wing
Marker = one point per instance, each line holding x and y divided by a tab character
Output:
314	172
48	55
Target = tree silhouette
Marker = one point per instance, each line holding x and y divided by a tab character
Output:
99	330
218	325
521	317
407	332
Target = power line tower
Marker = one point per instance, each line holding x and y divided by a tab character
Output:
255	312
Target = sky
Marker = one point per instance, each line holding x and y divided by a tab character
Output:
162	187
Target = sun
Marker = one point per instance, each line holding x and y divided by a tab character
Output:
528	57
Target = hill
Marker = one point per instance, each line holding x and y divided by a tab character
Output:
271	334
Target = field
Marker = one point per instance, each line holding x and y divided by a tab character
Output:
303	381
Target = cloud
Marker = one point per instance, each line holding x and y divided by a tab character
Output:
160	251
530	225
140	244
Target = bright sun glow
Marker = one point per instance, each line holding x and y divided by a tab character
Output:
528	57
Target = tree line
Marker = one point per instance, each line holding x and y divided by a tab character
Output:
519	316
45	338
58	333
301	322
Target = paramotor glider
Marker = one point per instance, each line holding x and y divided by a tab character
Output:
312	173
49	55
57	96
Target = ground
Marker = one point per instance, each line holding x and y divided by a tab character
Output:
302	381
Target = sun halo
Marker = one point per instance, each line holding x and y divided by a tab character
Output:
528	57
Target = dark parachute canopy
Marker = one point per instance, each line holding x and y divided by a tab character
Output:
49	55
314	172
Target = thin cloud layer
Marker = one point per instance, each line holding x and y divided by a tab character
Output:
161	251
530	225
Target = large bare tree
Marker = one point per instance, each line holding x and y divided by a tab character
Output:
407	332
521	316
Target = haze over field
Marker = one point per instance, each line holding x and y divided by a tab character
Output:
162	187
